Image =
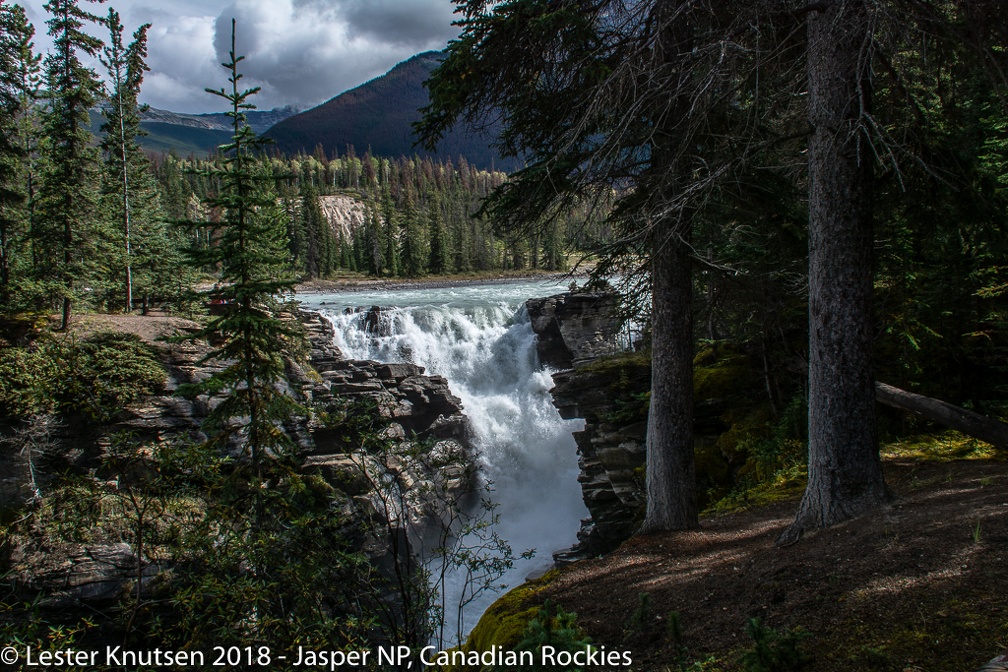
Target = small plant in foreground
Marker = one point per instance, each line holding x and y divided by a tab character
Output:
775	651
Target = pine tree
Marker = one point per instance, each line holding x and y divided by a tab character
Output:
128	188
412	254
250	251
315	230
19	83
438	264
68	194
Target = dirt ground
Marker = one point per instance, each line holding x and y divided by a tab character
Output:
919	587
151	328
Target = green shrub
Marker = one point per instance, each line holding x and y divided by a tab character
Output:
94	378
554	627
775	651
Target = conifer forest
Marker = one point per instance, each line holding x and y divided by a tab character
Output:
773	359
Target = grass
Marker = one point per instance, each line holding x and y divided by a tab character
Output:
946	446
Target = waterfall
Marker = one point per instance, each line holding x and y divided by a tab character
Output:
481	340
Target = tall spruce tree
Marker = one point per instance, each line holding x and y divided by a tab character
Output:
249	249
18	86
69	193
129	187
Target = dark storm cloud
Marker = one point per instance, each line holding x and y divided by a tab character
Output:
415	23
304	52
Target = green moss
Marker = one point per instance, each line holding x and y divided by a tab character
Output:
944	447
614	365
743	425
785	485
730	375
503	623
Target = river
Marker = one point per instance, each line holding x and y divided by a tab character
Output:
480	339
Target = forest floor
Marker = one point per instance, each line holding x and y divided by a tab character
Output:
151	328
920	586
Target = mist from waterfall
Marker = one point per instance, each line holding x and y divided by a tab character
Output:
480	339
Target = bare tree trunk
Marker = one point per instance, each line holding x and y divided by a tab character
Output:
67	274
671	471
845	472
948	415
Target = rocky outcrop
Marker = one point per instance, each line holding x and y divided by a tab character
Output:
573	331
419	404
575	327
610	392
407	488
611	448
95	574
345	214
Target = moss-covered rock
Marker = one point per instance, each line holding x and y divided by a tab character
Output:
504	622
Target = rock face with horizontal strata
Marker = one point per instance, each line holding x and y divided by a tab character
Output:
574	329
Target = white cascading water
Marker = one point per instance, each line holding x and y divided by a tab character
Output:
480	339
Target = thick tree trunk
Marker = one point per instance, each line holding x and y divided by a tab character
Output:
845	472
671	472
948	415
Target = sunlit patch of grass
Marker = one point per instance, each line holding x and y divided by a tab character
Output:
946	447
788	484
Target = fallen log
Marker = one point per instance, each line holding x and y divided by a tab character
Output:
943	413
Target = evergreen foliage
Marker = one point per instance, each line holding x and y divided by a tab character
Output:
774	651
249	250
18	86
93	379
128	188
69	193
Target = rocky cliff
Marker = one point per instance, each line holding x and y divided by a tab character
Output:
575	332
610	390
408	488
344	213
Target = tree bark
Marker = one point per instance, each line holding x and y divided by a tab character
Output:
671	471
845	472
948	415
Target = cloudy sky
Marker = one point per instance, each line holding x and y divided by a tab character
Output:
301	52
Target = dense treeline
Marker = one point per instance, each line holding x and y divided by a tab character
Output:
419	216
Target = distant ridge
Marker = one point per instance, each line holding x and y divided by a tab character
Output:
258	120
379	114
196	134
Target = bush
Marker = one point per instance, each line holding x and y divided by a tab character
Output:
774	651
94	378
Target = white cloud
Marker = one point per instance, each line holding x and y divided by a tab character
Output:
307	51
301	52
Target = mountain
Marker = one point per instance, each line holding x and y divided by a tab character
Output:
197	134
258	120
379	115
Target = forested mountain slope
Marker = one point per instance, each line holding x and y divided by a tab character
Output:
379	115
